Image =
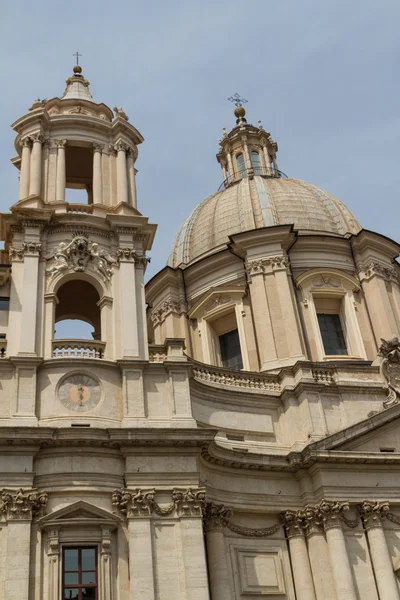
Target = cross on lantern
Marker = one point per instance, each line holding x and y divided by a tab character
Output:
77	55
237	100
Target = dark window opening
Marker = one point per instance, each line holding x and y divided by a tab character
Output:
4	303
332	334
79	174
231	354
241	166
79	574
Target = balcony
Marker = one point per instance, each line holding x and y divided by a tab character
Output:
77	349
250	174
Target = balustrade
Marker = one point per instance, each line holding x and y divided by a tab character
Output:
78	349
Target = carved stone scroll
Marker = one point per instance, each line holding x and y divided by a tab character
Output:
390	369
22	504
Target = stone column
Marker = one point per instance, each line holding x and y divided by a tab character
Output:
25	168
127	290
373	514
194	558
330	513
50	303
303	581
19	507
61	170
261	315
141	558
218	571
230	166
122	174
140	267
131	179
318	553
106	307
35	180
31	251
97	176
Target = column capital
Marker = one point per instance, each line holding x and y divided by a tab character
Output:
22	505
38	138
373	513
60	143
312	521
26	142
139	503
98	147
331	513
120	146
294	522
216	516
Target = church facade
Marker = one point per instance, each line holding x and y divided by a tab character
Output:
232	429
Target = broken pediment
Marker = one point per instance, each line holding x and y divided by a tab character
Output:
79	513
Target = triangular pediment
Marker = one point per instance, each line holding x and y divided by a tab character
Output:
80	513
380	433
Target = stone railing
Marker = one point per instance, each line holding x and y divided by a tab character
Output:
236	378
80	208
78	349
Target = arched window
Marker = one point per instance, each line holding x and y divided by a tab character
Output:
255	162
77	301
241	166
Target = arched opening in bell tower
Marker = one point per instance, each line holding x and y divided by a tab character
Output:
77	308
78	173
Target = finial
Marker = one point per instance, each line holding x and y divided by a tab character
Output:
239	111
77	68
260	126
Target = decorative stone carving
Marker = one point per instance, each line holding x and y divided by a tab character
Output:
326	281
120	113
126	254
264	265
390	369
27	248
158	315
26	142
38	137
216	516
294	522
98	147
138	503
120	146
373	513
60	143
324	376
372	268
77	254
38	103
157	357
331	513
22	504
216	302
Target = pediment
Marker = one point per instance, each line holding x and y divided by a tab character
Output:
378	433
80	513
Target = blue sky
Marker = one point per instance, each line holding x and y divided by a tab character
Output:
323	76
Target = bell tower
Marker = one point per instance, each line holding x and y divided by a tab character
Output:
82	259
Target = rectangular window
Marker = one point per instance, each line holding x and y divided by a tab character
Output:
4	303
231	354
332	334
79	574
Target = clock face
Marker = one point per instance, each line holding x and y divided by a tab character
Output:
79	392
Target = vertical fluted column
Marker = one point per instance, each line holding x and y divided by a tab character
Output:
35	180
61	170
217	552
303	581
97	178
122	174
131	179
373	515
318	553
25	168
330	513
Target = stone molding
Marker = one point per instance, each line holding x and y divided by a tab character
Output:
26	142
60	143
22	505
216	518
138	503
156	356
120	146
374	268
389	351
324	376
98	147
126	254
266	265
160	313
38	138
317	518
214	375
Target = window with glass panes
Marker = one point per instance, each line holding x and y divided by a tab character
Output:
332	334
231	354
80	574
241	165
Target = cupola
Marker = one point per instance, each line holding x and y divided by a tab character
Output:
247	150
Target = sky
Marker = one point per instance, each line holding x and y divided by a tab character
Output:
322	75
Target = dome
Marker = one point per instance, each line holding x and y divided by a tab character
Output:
253	203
